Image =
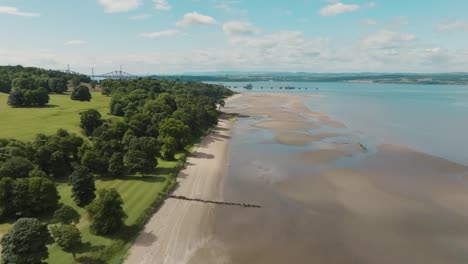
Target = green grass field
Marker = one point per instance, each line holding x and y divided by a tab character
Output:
62	112
139	193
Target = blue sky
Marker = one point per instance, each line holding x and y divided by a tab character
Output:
175	36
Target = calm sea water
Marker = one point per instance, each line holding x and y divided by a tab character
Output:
430	118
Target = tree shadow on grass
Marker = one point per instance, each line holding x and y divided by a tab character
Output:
88	248
90	260
149	178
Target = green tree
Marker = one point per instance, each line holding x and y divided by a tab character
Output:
168	148
6	186
26	242
38	173
141	155
57	85
5	86
23	84
116	165
83	186
81	93
67	237
94	161
16	99
40	97
16	167
76	81
177	130
66	215
106	212
20	199
44	195
90	120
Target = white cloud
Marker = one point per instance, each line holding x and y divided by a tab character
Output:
158	34
371	4
369	22
385	39
229	7
239	28
194	18
75	42
457	25
140	17
162	5
15	12
117	6
338	8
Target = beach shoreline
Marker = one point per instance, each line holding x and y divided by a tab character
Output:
309	174
180	228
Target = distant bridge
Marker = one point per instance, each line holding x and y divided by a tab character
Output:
115	75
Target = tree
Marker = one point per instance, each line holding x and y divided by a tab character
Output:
67	237
44	195
90	120
16	99
66	215
38	173
116	165
106	212
6	185
81	93
83	186
141	155
221	103
20	199
16	167
94	161
26	242
57	85
76	81
168	148
171	127
5	86
40	97
23	84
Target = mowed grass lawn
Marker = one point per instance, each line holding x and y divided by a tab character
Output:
138	193
62	112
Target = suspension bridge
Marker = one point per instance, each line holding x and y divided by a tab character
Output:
115	75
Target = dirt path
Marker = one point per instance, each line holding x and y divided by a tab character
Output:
180	228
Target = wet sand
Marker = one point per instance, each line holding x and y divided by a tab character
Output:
325	201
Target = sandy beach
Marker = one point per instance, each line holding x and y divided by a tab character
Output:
179	228
325	198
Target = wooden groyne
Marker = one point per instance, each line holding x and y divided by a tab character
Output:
246	205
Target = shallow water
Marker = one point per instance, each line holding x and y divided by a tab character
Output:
429	118
331	202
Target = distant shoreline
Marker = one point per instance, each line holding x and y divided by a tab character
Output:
421	79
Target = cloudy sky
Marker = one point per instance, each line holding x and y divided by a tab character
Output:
179	36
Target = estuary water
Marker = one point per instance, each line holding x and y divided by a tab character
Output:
430	118
345	173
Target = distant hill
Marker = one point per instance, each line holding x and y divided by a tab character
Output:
410	78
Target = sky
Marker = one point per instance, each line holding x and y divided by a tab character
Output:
186	36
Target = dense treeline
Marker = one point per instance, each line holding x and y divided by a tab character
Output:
159	119
29	86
